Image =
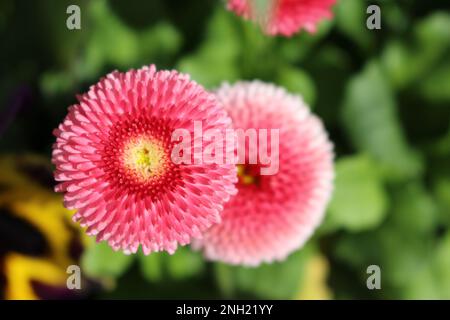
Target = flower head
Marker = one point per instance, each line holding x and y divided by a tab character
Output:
273	215
113	161
284	17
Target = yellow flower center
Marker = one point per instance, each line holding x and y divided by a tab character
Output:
145	157
245	177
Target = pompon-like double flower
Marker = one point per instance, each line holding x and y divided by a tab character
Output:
113	161
273	215
284	17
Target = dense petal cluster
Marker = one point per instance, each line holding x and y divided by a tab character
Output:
113	161
272	215
284	17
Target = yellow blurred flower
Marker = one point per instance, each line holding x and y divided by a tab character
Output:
27	199
315	285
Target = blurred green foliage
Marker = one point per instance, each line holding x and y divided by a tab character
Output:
359	201
384	96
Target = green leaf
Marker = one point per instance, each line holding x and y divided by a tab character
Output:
406	63
279	280
199	68
401	256
113	42
99	260
161	41
152	266
215	61
53	83
432	282
414	209
300	46
256	47
351	21
370	119
441	267
398	64
436	86
185	263
299	82
359	201
224	275
433	35
442	194
116	42
333	65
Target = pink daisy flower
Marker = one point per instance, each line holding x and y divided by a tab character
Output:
284	17
273	215
113	161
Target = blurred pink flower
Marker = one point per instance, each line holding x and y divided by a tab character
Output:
113	161
284	17
271	216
